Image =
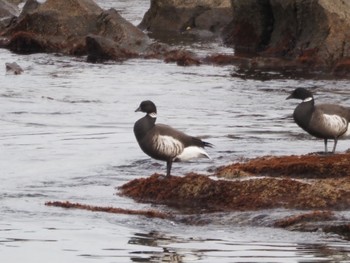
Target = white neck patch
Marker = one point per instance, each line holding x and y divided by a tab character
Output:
152	115
308	99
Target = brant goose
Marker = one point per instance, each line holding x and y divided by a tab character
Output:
163	142
325	121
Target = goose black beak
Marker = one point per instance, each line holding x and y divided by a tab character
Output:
290	97
138	109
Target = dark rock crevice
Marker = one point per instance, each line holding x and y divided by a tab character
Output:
250	31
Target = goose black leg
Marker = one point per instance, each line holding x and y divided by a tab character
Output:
335	144
325	146
168	167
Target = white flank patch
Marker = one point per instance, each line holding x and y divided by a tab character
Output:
153	115
168	145
308	99
191	152
336	124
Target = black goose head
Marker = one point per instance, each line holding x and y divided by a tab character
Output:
301	94
148	107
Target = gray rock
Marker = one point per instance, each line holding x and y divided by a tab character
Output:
62	26
13	68
181	16
81	27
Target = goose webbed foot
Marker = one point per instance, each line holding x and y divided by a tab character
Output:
325	153
162	177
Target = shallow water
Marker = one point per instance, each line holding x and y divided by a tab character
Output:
66	134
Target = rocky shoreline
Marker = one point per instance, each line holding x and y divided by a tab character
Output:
307	37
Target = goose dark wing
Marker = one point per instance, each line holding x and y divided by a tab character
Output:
333	109
329	121
185	139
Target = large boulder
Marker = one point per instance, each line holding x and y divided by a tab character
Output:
314	32
63	26
81	27
204	18
54	26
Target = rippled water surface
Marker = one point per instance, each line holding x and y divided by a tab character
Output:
66	134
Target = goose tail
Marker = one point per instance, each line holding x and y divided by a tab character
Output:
207	144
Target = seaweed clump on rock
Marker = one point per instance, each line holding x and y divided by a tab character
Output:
276	189
296	166
197	192
313	187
